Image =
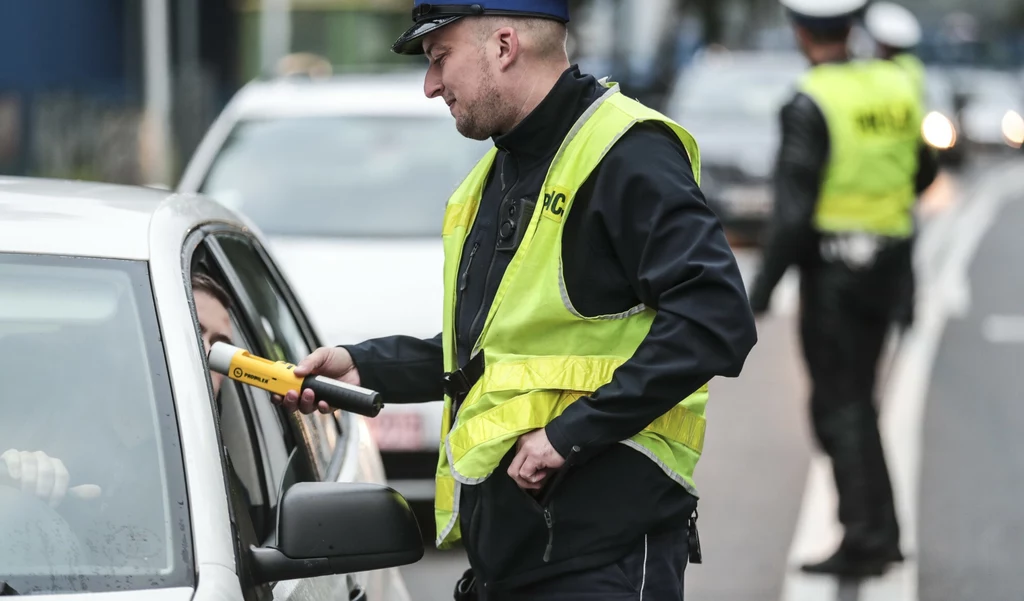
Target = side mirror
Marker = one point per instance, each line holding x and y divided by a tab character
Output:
329	528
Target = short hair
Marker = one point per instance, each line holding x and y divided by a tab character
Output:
204	283
829	35
550	35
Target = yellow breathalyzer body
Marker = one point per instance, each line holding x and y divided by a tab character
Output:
279	377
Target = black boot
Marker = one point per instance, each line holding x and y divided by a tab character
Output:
849	563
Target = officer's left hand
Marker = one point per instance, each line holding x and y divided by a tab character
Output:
535	459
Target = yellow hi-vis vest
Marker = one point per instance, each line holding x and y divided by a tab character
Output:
540	353
914	68
873	114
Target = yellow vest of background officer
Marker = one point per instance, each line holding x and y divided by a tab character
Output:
873	113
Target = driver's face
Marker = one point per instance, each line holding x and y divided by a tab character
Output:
215	326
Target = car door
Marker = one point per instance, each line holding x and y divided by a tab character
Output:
293	447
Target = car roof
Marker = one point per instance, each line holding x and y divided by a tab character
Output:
89	219
372	94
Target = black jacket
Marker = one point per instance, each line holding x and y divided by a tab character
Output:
800	168
639	231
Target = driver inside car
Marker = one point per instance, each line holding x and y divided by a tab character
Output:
48	477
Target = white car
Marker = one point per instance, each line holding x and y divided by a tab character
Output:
348	177
172	491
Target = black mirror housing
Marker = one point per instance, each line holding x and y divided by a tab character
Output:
326	528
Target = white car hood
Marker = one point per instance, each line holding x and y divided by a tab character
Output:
355	289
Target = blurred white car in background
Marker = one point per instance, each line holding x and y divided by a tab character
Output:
348	177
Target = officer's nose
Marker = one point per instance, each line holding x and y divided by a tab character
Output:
432	85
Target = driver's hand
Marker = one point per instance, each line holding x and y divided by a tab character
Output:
38	473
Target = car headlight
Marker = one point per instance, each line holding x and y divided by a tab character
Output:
1013	129
938	131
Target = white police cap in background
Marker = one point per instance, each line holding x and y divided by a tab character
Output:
892	25
824	9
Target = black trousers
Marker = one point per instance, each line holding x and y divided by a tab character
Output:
652	571
845	317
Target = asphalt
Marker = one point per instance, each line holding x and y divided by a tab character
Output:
971	527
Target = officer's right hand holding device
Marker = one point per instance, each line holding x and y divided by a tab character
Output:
289	380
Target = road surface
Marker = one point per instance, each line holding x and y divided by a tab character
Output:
951	420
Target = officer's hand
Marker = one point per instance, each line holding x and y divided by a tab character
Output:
37	473
332	362
535	459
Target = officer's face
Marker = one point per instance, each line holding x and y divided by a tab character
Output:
462	73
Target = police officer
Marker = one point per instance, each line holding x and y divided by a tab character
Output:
589	297
896	32
850	165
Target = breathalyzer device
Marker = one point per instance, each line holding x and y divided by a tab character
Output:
278	377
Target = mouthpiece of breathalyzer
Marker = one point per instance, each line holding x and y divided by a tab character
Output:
278	377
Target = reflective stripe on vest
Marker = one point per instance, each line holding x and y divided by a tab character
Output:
873	114
541	354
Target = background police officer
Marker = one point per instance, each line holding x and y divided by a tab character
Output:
590	297
897	33
850	165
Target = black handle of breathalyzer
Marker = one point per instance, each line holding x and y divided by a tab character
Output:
346	397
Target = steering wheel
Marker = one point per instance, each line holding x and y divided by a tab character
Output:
36	539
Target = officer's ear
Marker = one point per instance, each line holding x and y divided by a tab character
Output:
803	38
508	46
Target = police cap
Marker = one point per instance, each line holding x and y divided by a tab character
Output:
428	17
892	25
824	14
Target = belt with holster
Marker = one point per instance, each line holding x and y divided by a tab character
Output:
465	588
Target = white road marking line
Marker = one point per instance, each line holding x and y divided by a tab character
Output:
946	292
906	392
817	532
810	588
1003	329
785	298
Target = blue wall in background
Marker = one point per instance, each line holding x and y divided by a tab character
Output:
61	44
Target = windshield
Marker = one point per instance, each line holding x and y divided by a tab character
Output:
343	176
92	491
728	93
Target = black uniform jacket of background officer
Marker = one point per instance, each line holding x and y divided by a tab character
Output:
638	231
801	166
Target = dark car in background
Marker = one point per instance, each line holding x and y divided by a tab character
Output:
730	102
993	107
942	128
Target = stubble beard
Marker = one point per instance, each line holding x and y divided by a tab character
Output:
482	119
